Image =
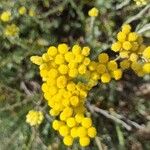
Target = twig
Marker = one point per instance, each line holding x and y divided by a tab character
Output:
98	142
60	7
32	138
77	8
24	87
144	28
11	107
106	114
120	136
136	125
124	3
139	15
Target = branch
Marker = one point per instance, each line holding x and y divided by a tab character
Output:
105	113
124	3
136	125
139	15
115	117
144	28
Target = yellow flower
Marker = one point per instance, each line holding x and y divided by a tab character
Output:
92	132
146	68
63	48
59	59
133	57
86	122
105	78
112	65
127	45
64	130
68	140
125	64
36	60
79	117
117	74
11	30
82	132
32	12
93	12
6	16
73	73
101	68
63	69
103	58
126	28
124	54
57	124
132	36
146	53
71	122
52	51
85	51
61	82
121	36
76	49
74	100
73	132
116	46
82	69
69	56
84	141
141	2
34	117
22	10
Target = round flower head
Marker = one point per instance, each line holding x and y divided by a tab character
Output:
105	78
68	140
76	49
22	10
73	132
146	53
141	2
34	117
146	68
116	46
92	132
11	30
57	124
84	141
126	28
63	48
82	132
125	64
6	16
103	58
71	122
93	12
36	60
86	122
64	130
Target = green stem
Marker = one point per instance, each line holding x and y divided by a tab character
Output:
120	136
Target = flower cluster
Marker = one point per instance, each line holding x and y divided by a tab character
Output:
141	2
34	117
132	51
23	10
59	68
104	69
11	30
5	16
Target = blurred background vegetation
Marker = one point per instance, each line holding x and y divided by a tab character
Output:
49	22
